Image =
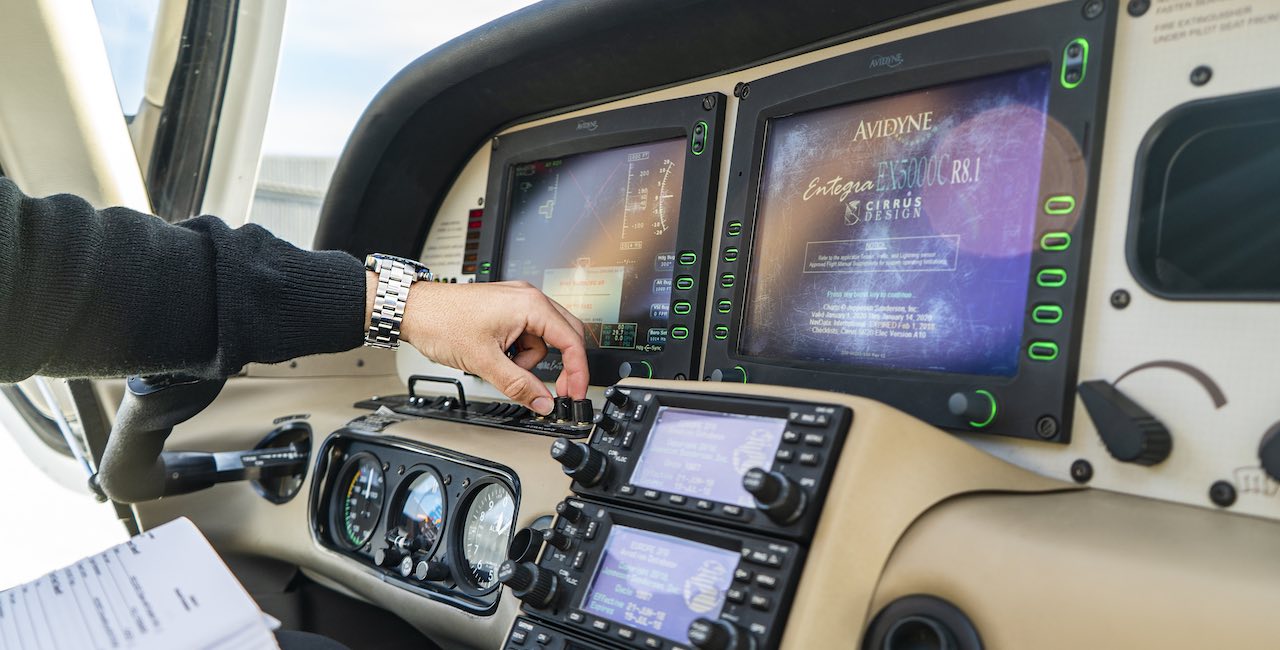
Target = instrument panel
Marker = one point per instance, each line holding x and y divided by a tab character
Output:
426	519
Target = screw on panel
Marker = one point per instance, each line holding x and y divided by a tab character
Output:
1138	7
1120	298
1092	9
1081	471
359	363
1222	494
741	90
1201	75
480	202
400	470
708	102
1047	427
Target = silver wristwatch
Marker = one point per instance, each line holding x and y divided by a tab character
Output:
395	276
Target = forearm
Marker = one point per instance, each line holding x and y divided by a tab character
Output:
115	292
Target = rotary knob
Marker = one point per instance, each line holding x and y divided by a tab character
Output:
582	463
607	424
427	570
571	513
709	634
557	539
535	586
637	369
563	409
778	497
976	407
736	375
617	398
583	411
525	545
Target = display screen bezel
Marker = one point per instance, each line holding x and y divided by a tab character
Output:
1038	401
677	118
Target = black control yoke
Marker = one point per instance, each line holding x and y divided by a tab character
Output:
135	466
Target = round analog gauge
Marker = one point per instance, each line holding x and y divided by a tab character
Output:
486	531
421	512
358	499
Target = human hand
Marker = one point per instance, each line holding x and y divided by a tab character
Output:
471	326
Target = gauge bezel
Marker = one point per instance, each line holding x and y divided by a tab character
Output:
403	489
336	521
458	560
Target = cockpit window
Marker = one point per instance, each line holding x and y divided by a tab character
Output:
332	63
128	29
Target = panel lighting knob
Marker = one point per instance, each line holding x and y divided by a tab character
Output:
582	463
569	512
637	369
564	409
736	375
976	407
1269	451
608	425
617	398
583	411
778	497
535	586
426	570
717	634
387	557
557	539
1130	433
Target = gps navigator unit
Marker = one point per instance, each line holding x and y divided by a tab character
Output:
609	215
912	225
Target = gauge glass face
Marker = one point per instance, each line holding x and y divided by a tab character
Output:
422	512
486	533
361	493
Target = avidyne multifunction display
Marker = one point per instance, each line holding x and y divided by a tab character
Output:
597	233
897	232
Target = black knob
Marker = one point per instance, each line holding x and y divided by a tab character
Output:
535	586
583	411
432	571
736	374
1129	432
571	513
387	557
525	545
1269	451
716	634
976	407
608	425
582	463
617	398
778	497
557	539
638	369
564	409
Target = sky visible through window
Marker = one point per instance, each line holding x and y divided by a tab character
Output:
335	57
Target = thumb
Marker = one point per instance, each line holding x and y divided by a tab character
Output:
518	384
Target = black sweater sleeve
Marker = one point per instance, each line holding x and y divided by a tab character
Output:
116	292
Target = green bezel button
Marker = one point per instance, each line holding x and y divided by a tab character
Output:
684	283
1046	314
1051	277
721	332
1042	350
724	306
1055	241
726	280
682	307
680	332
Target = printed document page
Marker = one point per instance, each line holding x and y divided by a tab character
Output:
164	589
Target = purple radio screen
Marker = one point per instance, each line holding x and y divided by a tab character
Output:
703	455
659	583
897	232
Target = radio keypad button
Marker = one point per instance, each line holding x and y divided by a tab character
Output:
731	510
735	595
639	412
757	556
592	528
579	559
652	642
785	455
810	458
627	490
600	625
543	638
767	581
626	633
742	575
652	495
815	439
676	499
518	637
760	602
627	440
577	617
790	436
703	504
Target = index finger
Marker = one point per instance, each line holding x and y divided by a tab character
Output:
558	333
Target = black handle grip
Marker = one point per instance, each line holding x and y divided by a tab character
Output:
133	468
